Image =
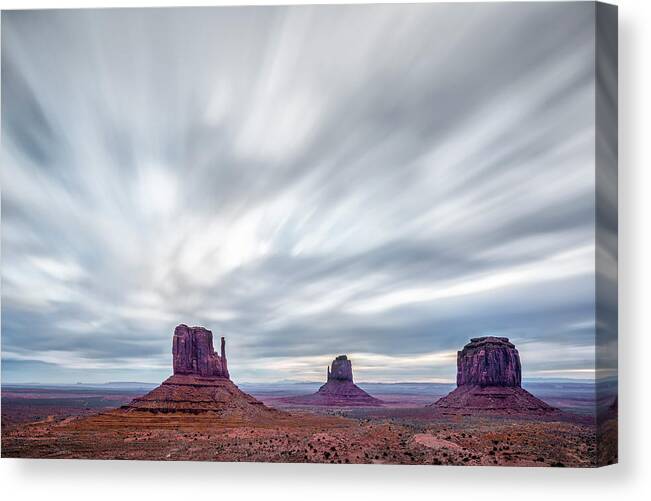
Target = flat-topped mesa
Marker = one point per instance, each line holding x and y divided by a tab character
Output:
193	353
489	377
341	369
489	361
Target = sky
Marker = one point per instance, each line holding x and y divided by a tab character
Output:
384	181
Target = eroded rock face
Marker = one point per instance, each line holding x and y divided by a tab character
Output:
341	369
200	383
489	375
489	361
192	394
193	353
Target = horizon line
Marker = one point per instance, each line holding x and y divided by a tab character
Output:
294	381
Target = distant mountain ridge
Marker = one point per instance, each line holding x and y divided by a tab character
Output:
290	382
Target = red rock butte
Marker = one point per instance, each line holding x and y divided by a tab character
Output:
200	383
339	389
489	378
193	353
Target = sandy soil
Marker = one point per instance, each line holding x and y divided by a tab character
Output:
390	435
305	438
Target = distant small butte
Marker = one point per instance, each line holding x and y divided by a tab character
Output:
339	389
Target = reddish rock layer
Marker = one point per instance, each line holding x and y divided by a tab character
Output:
489	361
196	395
337	394
492	399
340	370
193	353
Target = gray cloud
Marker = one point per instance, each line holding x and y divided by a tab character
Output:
386	181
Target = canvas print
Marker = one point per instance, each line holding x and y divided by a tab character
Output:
380	234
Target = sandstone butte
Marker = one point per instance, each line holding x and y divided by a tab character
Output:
200	382
339	389
489	378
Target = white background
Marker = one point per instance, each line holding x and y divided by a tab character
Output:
103	480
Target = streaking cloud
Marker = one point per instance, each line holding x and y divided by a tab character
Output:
385	181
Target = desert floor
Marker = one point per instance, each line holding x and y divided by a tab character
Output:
84	424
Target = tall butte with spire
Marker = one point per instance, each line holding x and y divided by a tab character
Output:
489	378
339	389
200	383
